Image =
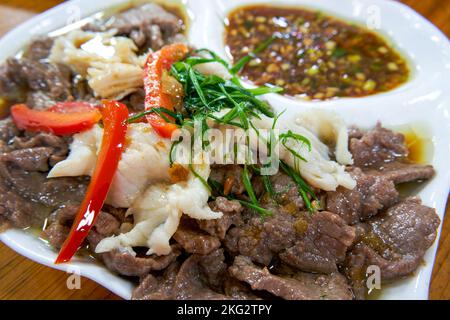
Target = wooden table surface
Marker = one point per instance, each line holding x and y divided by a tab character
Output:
21	278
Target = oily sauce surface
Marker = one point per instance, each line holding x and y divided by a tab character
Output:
316	56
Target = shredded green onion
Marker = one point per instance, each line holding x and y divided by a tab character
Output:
303	187
263	212
199	177
172	149
299	138
206	95
162	112
248	185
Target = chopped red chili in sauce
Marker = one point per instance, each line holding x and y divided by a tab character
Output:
315	56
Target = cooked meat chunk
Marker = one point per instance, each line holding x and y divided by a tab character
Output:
194	280
128	264
56	234
52	81
231	216
247	241
229	177
65	214
41	139
378	147
9	89
263	239
243	269
109	222
149	25
331	237
372	194
194	240
18	212
396	241
301	286
29	197
213	269
148	14
408	227
106	224
286	191
148	36
59	145
60	222
8	131
39	48
118	213
39	100
323	246
31	159
24	169
35	186
158	288
355	132
401	172
123	261
314	243
191	284
325	287
135	101
238	290
382	152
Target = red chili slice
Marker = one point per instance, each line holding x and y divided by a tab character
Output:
115	117
61	119
157	63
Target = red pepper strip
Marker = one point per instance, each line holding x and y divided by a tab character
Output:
157	63
72	107
115	115
61	119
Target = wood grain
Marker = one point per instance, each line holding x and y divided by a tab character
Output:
24	279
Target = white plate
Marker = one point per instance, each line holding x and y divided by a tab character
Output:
423	101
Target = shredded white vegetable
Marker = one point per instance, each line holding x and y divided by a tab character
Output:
157	213
109	63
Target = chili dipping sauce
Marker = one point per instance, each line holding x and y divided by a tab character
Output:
314	56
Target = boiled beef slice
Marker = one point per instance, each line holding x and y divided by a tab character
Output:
229	177
323	246
29	197
149	25
301	286
129	264
401	172
377	147
157	288
231	210
395	241
194	240
39	48
383	152
196	279
371	194
316	243
52	81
